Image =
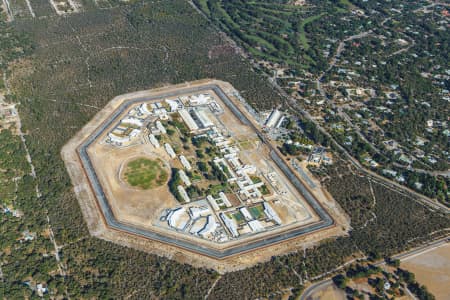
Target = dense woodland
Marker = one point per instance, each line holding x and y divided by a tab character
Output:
75	65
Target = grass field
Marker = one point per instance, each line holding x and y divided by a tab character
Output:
238	217
302	36
257	211
145	173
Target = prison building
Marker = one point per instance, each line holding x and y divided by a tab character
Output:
201	116
217	138
224	199
246	213
119	139
143	109
160	126
273	118
230	156
255	225
134	133
271	213
215	107
133	121
183	193
188	120
175	104
153	140
223	143
280	121
186	164
200	99
199	211
169	150
212	202
176	218
161	113
235	163
230	224
210	226
248	169
184	178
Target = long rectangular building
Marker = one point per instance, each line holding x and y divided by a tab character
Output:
169	150
188	120
230	224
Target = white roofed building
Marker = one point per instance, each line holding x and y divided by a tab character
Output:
134	133
160	126
199	211
212	202
143	109
175	104
186	164
184	178
188	120
177	218
200	99
271	213
280	121
224	199
230	224
161	113
153	140
246	213
203	118
170	150
255	225
119	139
273	118
210	226
132	120
183	193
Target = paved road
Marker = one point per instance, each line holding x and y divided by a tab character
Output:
112	222
402	256
432	173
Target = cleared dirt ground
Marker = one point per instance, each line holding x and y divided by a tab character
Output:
330	292
432	269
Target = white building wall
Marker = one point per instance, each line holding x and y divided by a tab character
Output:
273	118
170	150
188	120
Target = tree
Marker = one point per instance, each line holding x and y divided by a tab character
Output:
340	281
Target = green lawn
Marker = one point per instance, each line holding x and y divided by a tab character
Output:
264	190
238	217
145	173
302	37
257	211
255	179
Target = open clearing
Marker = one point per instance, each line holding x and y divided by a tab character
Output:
432	269
330	292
